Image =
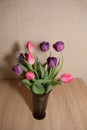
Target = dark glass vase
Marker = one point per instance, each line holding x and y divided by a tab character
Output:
39	105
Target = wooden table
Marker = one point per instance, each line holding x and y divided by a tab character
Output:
66	110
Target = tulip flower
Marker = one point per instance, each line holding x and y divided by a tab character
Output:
52	62
58	46
66	77
17	69
21	57
30	75
31	59
26	55
44	46
30	46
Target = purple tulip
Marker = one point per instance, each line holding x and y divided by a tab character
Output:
21	57
26	54
52	62
58	46
44	46
17	69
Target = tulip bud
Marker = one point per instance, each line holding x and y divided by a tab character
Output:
66	77
58	46
30	46
31	59
30	75
44	46
52	62
17	69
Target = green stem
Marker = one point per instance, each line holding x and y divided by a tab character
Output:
61	62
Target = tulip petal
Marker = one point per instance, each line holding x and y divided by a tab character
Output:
30	46
58	46
17	69
30	75
66	77
44	46
31	59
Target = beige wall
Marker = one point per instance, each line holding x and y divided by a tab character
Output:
49	20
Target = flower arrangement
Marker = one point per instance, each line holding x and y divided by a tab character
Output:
40	77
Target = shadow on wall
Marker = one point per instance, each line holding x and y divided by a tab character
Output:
6	70
9	61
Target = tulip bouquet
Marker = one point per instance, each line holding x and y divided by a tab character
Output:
40	77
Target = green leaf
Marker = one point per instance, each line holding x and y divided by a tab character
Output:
49	88
27	83
50	71
38	89
54	83
25	69
44	65
40	81
42	70
46	75
29	65
56	69
35	65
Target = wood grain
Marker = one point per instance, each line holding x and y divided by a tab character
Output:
66	110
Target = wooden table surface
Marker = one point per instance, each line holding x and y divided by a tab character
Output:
66	110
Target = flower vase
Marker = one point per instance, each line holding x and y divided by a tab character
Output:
40	105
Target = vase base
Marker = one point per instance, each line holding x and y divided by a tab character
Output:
39	116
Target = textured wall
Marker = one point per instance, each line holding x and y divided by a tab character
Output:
50	20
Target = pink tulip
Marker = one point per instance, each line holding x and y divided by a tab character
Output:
30	46
31	59
30	75
66	78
